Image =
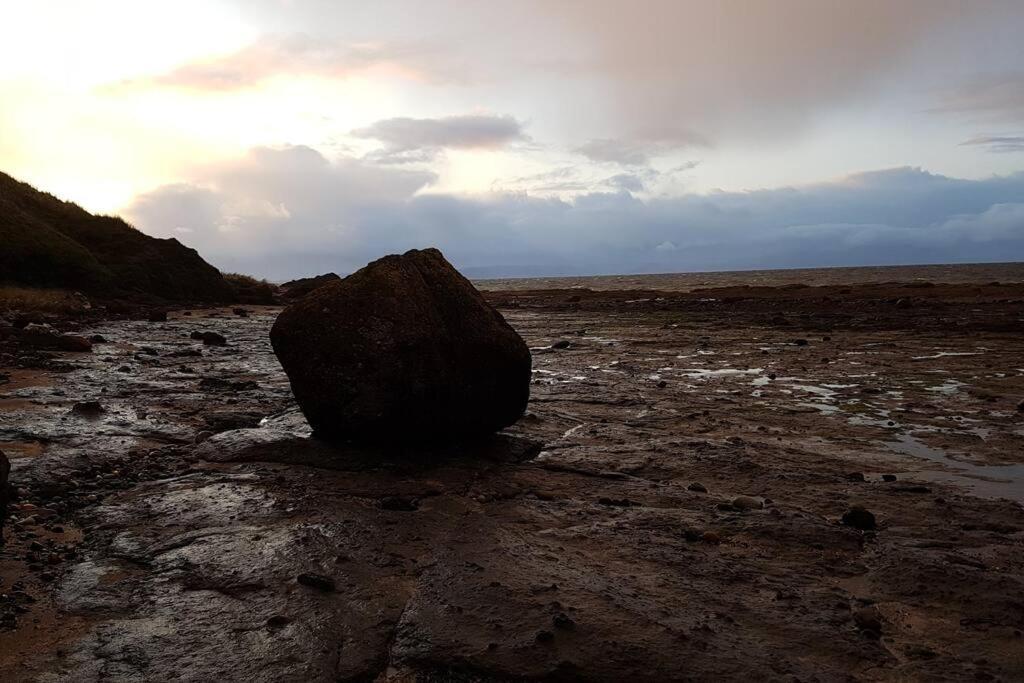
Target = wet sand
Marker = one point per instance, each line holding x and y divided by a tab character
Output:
668	509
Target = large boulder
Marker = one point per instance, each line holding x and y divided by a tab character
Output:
404	350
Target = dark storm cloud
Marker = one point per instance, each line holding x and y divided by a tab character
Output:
287	212
409	139
997	143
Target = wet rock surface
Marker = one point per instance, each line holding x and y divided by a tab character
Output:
599	538
404	349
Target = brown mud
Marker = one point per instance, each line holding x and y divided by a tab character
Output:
668	509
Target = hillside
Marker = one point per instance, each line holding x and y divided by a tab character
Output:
47	242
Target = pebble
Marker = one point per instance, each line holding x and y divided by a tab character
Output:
859	518
561	344
888	477
698	487
868	619
318	581
747	503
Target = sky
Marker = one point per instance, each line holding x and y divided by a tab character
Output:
285	138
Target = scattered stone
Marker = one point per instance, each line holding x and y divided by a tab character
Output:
855	476
698	487
711	538
912	488
405	349
278	621
88	409
771	375
616	502
662	384
859	518
888	477
563	621
398	504
317	581
240	312
800	342
747	503
98	339
868	619
561	344
210	338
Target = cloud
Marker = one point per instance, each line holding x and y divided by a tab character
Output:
297	54
995	98
997	143
407	139
287	212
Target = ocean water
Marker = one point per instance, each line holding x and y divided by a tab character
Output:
971	273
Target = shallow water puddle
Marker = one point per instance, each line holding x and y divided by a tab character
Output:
991	481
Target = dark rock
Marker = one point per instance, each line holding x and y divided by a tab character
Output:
88	408
317	581
545	636
221	384
240	312
561	344
223	421
1020	406
800	342
98	339
212	339
855	476
278	621
296	289
399	504
698	487
662	384
868	619
563	621
747	503
912	488
405	349
859	518
888	477
157	316
615	502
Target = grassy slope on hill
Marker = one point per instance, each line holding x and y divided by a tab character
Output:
47	242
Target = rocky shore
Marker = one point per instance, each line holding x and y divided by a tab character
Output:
813	483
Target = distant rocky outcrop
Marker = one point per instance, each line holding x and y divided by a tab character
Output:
403	350
51	243
295	289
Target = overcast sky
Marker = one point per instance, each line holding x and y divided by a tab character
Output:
290	137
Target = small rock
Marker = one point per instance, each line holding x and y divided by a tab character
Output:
1020	406
888	477
563	621
859	518
317	581
868	619
203	436
240	312
662	384
561	344
157	316
213	339
545	636
98	339
399	504
855	476
698	487
278	621
711	538
747	503
693	535
88	408
800	342
615	502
